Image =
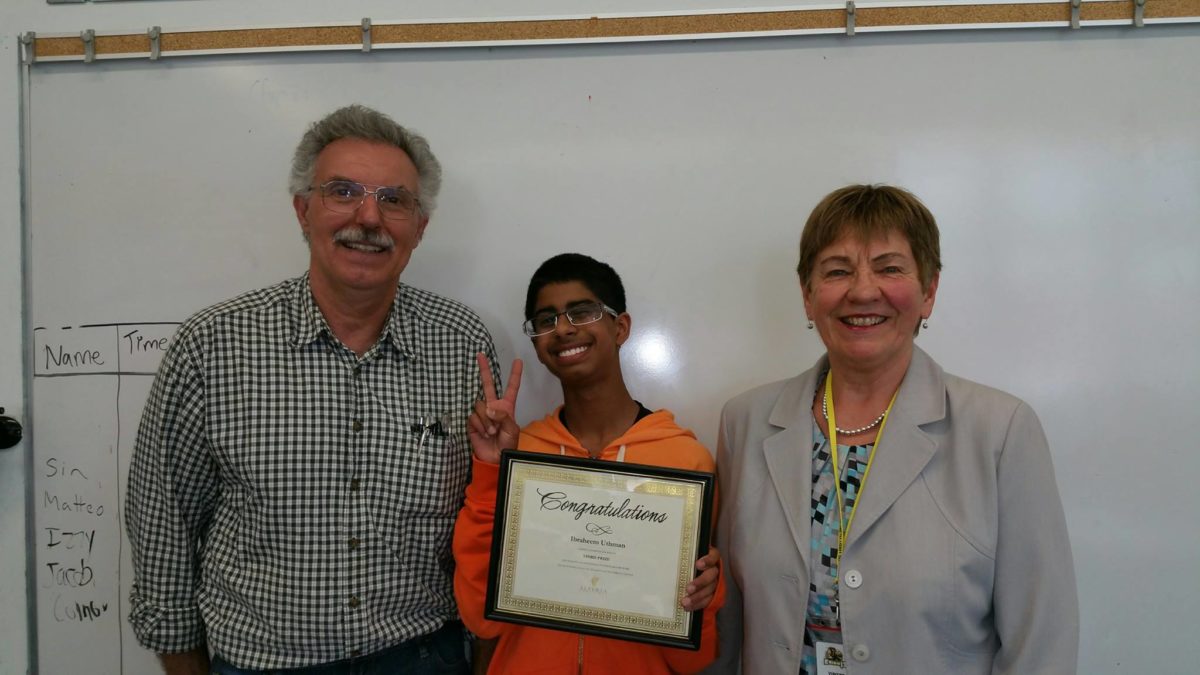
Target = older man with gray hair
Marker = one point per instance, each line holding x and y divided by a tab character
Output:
303	453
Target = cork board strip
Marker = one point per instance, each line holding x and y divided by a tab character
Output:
1172	9
609	28
878	17
260	38
598	28
1109	11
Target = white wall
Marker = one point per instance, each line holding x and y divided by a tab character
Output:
1051	262
19	16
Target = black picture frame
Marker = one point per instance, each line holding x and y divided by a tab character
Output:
595	625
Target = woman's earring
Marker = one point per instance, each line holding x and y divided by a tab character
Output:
810	324
925	324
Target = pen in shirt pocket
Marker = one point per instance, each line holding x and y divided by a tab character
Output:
426	425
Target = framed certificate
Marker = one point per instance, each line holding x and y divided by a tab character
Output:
599	547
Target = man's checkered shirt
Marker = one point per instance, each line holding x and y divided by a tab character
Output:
281	505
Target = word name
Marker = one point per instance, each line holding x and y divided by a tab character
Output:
77	359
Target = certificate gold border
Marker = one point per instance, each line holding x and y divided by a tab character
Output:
518	468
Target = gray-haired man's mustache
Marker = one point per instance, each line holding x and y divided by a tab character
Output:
358	235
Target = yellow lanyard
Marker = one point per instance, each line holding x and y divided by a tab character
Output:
843	532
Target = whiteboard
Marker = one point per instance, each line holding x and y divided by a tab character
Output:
1063	169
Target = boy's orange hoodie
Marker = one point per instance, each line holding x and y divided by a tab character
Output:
654	440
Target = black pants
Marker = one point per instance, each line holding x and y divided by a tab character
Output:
442	652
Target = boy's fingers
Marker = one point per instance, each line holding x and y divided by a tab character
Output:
514	382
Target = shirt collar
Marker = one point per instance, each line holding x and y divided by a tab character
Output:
401	327
309	325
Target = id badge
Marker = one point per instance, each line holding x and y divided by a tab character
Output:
831	659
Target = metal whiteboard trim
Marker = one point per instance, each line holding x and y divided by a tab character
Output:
1075	6
369	43
850	17
24	164
896	4
1139	13
1128	22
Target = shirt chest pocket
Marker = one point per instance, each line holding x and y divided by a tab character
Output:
423	465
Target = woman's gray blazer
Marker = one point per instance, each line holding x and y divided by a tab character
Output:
959	544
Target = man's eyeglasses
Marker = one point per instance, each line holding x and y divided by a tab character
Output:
578	315
345	196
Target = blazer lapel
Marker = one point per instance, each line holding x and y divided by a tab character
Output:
904	449
788	456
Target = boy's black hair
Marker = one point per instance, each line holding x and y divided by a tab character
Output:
600	278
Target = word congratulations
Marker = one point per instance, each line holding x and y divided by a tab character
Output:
558	501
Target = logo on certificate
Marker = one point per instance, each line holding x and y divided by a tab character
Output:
595	587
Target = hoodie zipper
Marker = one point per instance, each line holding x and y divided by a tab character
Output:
580	671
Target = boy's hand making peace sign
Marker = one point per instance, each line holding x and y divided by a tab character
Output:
493	424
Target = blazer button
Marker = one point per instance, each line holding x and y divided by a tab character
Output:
860	652
853	578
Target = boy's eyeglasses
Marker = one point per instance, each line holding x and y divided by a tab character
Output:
578	315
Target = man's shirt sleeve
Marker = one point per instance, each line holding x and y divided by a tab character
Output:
170	496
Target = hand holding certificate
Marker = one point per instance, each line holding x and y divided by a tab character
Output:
598	547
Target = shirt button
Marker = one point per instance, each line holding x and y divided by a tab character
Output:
853	578
354	602
860	652
353	543
357	426
354	485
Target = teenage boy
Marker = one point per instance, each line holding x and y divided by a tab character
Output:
575	316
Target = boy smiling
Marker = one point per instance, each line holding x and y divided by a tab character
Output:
576	319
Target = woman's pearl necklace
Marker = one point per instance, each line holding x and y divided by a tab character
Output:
850	432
